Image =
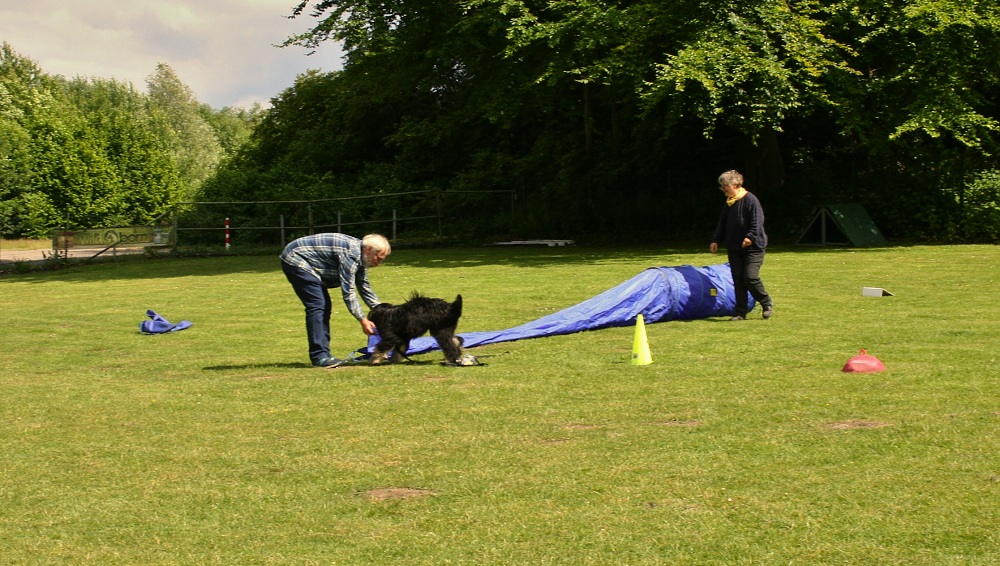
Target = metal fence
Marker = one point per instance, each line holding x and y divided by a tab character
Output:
294	217
415	215
426	214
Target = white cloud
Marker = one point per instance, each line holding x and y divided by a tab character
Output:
224	50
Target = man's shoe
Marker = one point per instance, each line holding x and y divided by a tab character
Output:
737	317
330	363
768	312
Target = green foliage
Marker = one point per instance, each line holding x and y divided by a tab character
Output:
605	119
232	126
97	153
950	42
177	118
749	67
14	159
30	215
607	115
981	208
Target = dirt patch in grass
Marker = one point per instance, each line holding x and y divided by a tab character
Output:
582	426
853	424
680	423
267	377
388	493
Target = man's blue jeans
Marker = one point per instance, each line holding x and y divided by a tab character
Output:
316	300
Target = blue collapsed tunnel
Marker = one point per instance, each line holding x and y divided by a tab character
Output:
659	294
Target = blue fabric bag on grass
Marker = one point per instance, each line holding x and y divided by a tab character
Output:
159	325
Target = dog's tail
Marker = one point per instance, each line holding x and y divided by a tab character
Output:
455	310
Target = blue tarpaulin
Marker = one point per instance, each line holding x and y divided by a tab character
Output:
659	294
159	325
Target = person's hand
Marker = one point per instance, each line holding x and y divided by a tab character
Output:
713	247
368	327
747	243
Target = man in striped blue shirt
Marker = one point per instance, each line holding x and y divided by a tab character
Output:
314	264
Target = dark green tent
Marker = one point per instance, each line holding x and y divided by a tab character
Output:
841	225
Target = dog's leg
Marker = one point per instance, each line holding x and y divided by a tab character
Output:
381	353
400	352
450	344
397	355
377	358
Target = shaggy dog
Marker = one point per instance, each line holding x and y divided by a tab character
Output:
398	324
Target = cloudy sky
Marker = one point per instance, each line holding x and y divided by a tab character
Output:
222	49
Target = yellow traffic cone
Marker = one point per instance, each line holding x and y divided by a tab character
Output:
640	348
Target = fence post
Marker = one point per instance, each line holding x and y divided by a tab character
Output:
66	239
175	233
513	207
438	199
339	229
394	225
281	221
312	228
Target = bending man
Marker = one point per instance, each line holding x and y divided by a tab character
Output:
314	264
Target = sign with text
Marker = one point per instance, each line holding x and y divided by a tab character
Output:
133	236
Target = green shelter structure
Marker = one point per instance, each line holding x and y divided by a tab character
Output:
841	225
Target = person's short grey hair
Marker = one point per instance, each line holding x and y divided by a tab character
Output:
731	178
376	242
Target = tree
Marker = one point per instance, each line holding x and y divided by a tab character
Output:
83	152
920	115
177	117
232	126
30	108
146	181
581	106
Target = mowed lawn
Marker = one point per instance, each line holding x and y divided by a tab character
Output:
742	443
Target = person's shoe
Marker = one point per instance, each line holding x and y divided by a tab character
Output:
737	317
768	312
330	363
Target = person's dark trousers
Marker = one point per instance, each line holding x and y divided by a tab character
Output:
316	299
745	265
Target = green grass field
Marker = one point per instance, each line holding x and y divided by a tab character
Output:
742	443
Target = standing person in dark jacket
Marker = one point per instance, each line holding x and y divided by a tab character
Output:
314	264
741	231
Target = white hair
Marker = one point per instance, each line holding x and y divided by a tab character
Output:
376	242
731	178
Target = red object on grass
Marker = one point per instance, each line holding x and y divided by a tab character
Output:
863	363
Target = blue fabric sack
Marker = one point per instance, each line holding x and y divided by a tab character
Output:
159	325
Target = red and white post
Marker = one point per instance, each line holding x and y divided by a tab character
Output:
227	234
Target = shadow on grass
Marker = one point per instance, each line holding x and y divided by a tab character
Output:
303	365
259	365
144	268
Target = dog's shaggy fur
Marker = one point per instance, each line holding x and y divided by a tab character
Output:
398	324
